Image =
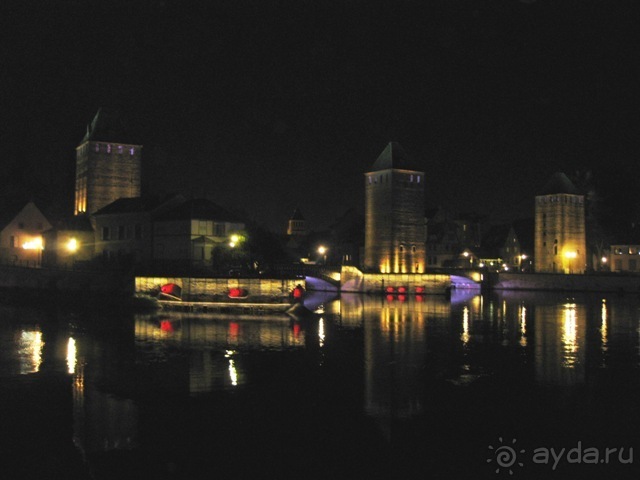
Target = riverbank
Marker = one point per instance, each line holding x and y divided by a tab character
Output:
595	282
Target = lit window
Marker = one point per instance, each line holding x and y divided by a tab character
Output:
370	181
109	148
97	148
411	178
105	233
132	151
120	149
418	179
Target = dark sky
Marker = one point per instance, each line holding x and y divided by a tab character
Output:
269	105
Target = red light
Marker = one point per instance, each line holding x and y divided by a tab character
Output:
390	289
402	289
165	326
402	298
237	292
296	330
390	298
420	289
419	298
233	329
298	291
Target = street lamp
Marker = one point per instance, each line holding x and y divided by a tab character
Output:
570	255
234	240
72	248
322	250
72	245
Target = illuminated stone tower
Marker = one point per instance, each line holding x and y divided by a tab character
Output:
560	242
107	164
394	214
297	224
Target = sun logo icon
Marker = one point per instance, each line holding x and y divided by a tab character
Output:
505	456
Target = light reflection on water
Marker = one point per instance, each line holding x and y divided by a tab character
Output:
392	360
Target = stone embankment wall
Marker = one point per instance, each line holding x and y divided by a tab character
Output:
560	282
353	280
217	289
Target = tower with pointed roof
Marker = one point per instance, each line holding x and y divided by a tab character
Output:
108	164
297	224
394	214
560	239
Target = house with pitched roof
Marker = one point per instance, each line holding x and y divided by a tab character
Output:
124	228
21	231
197	234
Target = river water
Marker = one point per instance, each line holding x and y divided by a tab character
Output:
518	385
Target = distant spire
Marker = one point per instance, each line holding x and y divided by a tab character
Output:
297	215
108	126
394	156
559	183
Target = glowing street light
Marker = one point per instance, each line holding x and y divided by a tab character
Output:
570	255
72	245
322	250
234	240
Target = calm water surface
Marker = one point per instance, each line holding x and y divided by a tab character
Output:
369	387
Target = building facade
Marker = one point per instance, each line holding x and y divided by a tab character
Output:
108	164
197	233
21	241
560	239
625	258
395	231
124	228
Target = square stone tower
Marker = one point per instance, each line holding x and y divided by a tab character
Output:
108	164
560	239
395	231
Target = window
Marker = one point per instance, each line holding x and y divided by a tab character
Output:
220	229
120	149
418	179
21	225
97	148
105	234
370	180
121	232
109	148
138	231
132	151
12	242
129	233
413	248
411	178
401	248
633	265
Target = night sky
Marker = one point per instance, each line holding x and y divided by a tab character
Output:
268	105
